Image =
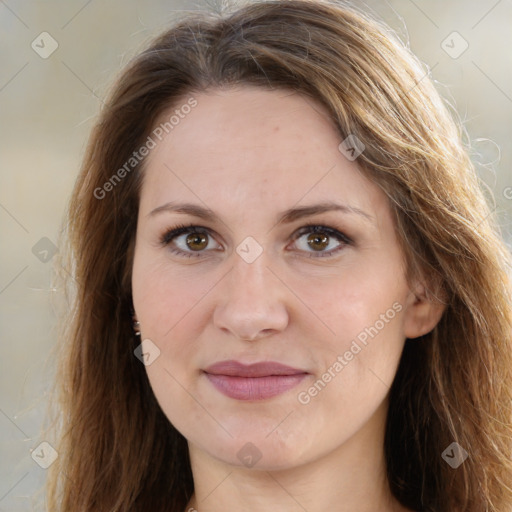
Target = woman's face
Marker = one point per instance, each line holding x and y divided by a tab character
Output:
326	308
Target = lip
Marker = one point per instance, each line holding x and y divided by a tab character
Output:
257	381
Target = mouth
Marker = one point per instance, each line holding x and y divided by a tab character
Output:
257	381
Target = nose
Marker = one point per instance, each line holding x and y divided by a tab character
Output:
252	302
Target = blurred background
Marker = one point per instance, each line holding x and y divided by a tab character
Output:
56	60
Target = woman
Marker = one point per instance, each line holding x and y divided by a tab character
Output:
290	292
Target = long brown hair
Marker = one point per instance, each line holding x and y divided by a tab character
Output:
118	451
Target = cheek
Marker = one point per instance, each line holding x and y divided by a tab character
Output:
165	295
170	305
351	300
166	300
359	352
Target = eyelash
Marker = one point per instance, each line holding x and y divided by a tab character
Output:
169	235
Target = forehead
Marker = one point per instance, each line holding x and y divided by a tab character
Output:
252	146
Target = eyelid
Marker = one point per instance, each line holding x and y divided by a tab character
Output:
172	233
180	229
332	231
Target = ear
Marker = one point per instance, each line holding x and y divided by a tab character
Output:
423	312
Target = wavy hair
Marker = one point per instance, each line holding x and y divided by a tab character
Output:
118	451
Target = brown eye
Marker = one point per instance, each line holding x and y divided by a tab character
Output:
317	241
197	241
193	241
189	241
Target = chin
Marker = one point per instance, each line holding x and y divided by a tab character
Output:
265	448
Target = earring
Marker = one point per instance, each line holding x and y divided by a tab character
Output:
136	325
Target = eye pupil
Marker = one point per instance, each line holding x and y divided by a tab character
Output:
197	238
316	238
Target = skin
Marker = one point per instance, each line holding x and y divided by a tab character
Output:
248	154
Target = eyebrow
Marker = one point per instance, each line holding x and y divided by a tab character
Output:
288	216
